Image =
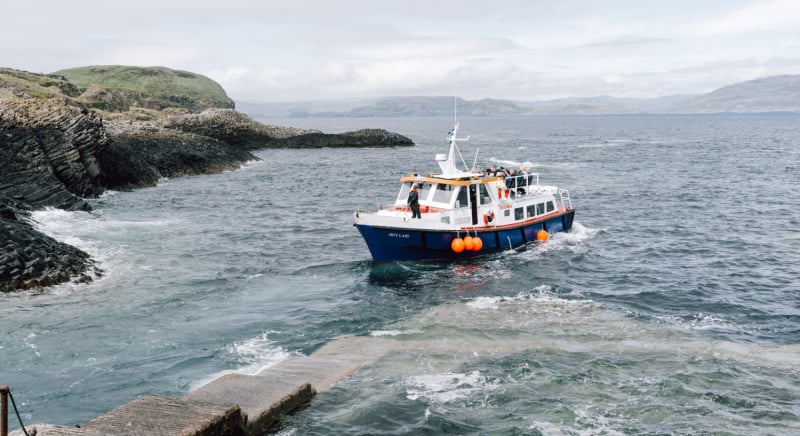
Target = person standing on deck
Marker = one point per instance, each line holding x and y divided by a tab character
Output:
413	202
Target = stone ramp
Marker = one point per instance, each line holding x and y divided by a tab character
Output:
321	373
231	405
169	416
263	399
157	415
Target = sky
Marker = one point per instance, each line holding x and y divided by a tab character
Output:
298	50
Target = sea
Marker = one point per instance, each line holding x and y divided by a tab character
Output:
671	307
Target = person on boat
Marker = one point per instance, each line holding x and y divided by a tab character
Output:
413	202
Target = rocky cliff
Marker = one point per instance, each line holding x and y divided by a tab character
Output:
56	152
48	157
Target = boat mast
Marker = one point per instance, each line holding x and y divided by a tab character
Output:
448	165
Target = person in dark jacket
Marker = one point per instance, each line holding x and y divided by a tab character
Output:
413	202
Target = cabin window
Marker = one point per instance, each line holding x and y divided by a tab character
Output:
424	190
442	193
550	206
540	209
461	199
511	182
484	195
405	188
507	212
519	213
531	210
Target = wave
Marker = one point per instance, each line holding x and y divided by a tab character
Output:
448	387
510	164
251	356
105	240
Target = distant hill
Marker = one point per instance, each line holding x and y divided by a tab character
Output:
768	94
604	105
115	88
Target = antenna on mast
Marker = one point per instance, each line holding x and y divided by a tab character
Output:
455	108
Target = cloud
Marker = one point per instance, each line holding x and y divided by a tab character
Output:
278	50
624	41
771	16
440	48
332	79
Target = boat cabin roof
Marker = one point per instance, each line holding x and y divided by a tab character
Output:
455	181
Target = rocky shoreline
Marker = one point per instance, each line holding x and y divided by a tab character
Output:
56	153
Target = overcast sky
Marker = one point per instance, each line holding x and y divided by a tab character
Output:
295	50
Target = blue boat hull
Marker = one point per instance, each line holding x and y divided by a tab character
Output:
391	244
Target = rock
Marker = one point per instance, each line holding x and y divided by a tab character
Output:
48	153
48	150
234	128
360	138
31	259
137	156
107	99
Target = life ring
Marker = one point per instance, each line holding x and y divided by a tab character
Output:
488	217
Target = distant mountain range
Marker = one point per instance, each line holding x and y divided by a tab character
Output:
767	94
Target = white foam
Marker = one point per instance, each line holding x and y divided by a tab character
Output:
484	303
571	241
85	230
705	321
511	164
394	332
254	354
447	387
542	294
257	353
607	143
251	164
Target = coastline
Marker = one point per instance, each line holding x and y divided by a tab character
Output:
57	153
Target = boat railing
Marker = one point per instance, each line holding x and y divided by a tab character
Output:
566	201
521	180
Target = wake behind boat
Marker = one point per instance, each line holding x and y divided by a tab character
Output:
465	213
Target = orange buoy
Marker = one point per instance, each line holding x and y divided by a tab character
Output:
457	245
468	244
477	244
542	235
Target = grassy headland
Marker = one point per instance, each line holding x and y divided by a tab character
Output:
146	87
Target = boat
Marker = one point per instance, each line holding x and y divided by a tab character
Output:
465	213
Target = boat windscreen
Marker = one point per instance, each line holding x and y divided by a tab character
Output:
405	188
461	201
424	190
443	193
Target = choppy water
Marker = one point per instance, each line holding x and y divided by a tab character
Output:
672	307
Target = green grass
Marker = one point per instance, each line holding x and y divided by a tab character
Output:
16	82
157	83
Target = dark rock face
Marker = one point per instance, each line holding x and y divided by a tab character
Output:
235	128
360	138
241	131
138	156
48	153
30	259
47	158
